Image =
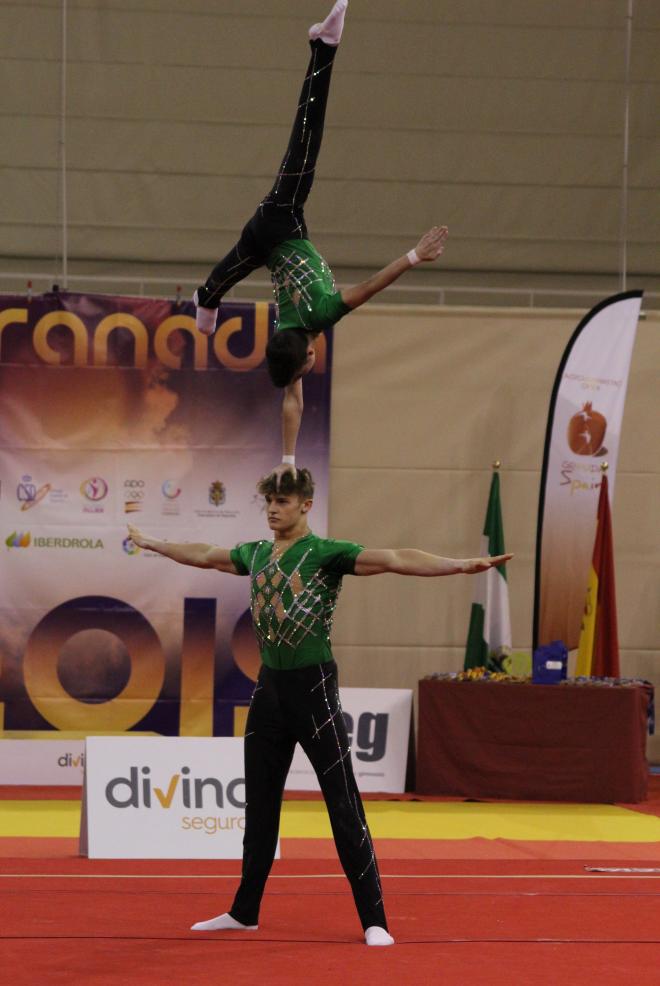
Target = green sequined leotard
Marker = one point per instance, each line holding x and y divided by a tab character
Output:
305	292
293	598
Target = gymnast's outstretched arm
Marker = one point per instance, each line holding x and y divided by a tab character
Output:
187	553
410	561
429	248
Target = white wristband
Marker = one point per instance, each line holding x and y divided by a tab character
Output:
414	258
290	460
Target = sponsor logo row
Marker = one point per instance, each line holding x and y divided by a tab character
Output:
25	539
93	492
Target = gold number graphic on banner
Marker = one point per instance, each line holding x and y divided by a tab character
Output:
197	668
61	709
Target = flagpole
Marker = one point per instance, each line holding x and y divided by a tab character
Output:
604	466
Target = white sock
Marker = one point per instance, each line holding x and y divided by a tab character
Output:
377	936
223	922
205	317
330	29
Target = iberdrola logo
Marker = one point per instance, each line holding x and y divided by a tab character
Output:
16	540
586	431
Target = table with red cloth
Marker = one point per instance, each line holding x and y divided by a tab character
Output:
517	740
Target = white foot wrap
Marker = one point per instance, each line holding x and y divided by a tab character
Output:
330	29
205	318
224	922
377	936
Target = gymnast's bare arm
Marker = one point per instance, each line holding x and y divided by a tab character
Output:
429	248
292	411
410	561
199	555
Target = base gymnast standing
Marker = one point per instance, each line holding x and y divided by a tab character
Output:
295	581
307	301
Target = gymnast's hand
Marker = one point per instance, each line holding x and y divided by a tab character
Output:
472	566
281	470
432	243
137	537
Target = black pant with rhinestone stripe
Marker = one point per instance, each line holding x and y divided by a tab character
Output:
302	706
280	215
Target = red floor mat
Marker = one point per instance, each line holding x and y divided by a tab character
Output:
482	923
204	963
323	911
410	849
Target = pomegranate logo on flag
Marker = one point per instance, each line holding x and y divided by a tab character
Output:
586	431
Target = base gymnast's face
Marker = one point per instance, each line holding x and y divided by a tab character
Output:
287	515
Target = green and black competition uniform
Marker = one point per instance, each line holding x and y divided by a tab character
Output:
296	700
276	235
305	293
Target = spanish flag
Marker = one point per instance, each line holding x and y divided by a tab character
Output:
598	648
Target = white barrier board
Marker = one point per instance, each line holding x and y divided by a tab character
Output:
163	798
378	724
378	721
56	762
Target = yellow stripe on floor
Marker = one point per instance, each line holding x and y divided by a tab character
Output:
468	820
396	820
45	819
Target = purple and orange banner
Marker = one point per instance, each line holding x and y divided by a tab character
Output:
116	410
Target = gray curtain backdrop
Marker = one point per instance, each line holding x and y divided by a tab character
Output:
503	120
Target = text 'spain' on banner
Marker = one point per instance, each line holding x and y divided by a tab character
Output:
584	430
116	410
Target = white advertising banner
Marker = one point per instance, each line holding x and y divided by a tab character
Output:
163	798
584	430
378	724
55	763
377	719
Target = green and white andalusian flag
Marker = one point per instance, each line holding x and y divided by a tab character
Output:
489	636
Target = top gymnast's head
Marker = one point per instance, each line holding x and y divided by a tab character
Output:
290	354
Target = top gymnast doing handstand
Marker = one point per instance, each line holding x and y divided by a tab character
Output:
307	301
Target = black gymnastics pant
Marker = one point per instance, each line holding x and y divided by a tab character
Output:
302	706
280	215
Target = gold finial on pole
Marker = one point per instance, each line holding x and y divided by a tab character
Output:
604	466
496	464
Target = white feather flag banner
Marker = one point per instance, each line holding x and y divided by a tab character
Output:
584	429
